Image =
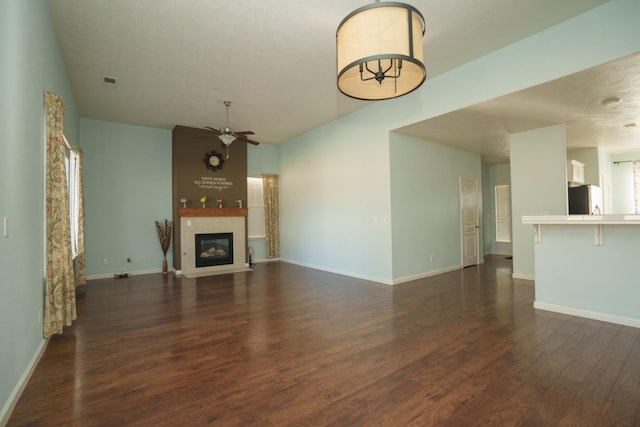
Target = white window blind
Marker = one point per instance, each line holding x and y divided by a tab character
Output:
503	213
255	204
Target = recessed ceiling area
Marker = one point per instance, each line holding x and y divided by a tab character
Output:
575	100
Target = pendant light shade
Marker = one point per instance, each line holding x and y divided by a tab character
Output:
379	51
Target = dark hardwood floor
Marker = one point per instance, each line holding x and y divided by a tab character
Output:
287	345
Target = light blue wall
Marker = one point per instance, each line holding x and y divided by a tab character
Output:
573	274
622	192
494	175
30	62
262	159
604	159
425	204
334	181
127	172
538	187
488	211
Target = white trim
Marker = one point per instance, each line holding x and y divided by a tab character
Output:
524	276
391	282
130	273
595	315
499	253
255	261
424	275
343	273
10	404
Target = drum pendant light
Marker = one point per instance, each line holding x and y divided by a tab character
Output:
379	51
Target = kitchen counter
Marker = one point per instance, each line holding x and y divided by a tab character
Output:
588	266
595	220
618	219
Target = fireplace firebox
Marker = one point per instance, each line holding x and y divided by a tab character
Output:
214	249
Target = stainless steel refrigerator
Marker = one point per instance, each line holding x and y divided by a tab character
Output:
585	200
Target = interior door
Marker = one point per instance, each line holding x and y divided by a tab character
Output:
469	221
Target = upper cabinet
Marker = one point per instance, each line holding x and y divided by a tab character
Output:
575	172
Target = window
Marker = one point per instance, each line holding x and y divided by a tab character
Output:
503	213
255	203
73	185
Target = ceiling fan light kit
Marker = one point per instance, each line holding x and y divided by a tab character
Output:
226	138
379	51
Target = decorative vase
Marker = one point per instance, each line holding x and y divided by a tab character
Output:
204	204
165	267
220	205
184	204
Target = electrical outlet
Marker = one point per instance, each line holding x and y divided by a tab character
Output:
106	261
432	258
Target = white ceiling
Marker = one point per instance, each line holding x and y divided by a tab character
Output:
575	100
177	61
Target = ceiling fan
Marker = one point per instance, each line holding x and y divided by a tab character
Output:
227	135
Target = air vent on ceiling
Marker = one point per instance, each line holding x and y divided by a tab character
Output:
109	82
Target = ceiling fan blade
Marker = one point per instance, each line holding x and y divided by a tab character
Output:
242	138
244	132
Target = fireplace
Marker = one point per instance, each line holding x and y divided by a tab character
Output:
223	230
214	249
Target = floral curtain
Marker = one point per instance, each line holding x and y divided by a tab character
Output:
80	269
636	184
60	297
271	216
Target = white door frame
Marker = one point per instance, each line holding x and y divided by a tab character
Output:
462	224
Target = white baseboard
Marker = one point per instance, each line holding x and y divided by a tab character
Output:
427	274
22	383
130	273
256	261
604	317
342	272
376	279
524	276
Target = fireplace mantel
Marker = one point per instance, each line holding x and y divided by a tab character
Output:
203	212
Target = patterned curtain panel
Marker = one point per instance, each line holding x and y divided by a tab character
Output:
271	216
636	184
60	297
80	268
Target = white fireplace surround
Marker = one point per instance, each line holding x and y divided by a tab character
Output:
190	226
